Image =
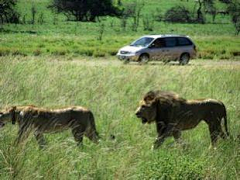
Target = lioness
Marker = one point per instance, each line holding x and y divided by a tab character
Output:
30	118
174	114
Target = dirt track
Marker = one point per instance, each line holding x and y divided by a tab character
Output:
113	61
228	64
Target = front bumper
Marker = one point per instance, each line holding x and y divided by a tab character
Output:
131	57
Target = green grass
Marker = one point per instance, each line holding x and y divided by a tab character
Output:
56	36
112	92
45	64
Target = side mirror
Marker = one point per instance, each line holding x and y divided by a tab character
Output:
151	46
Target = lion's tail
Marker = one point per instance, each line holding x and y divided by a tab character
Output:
225	124
92	121
225	121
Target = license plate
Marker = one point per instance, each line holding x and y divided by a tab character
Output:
122	57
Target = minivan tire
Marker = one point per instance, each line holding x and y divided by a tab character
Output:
143	59
184	59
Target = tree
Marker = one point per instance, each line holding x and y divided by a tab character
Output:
210	8
8	13
133	10
200	17
225	1
178	14
85	10
234	11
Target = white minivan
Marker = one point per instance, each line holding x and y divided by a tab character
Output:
159	47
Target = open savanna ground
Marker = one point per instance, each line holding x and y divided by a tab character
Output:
112	91
56	63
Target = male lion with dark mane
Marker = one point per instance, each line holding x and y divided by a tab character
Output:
173	114
30	118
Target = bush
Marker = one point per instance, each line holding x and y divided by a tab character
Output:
234	10
178	14
8	14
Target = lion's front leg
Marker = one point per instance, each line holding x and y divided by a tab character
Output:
161	126
23	133
177	136
158	142
164	130
40	139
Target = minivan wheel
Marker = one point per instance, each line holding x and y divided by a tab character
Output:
143	59
184	59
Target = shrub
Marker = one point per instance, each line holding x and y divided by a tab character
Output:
8	14
37	52
99	53
4	51
178	14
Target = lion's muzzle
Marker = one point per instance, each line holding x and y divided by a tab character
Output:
138	114
2	124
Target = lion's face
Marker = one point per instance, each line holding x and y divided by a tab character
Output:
147	112
1	120
4	117
7	116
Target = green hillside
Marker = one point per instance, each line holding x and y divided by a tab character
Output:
57	36
57	63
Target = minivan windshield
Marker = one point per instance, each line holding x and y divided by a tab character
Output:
143	42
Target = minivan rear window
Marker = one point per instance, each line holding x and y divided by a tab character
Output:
183	41
170	42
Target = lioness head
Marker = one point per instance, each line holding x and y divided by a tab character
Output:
7	115
147	112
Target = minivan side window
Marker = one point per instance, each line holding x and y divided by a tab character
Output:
159	43
171	42
183	41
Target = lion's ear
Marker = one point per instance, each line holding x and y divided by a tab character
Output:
150	96
149	99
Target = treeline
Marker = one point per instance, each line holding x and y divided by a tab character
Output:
92	10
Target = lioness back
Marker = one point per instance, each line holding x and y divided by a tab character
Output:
48	120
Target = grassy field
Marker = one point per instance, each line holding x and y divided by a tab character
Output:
60	63
56	36
112	91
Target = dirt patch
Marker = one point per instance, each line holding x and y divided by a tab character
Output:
226	64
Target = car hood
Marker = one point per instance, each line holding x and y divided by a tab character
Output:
131	48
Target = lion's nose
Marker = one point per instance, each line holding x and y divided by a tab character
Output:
137	113
1	124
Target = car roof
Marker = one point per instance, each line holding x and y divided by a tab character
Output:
164	35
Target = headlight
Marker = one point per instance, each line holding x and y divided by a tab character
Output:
125	52
137	52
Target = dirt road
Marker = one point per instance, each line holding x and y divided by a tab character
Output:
114	62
